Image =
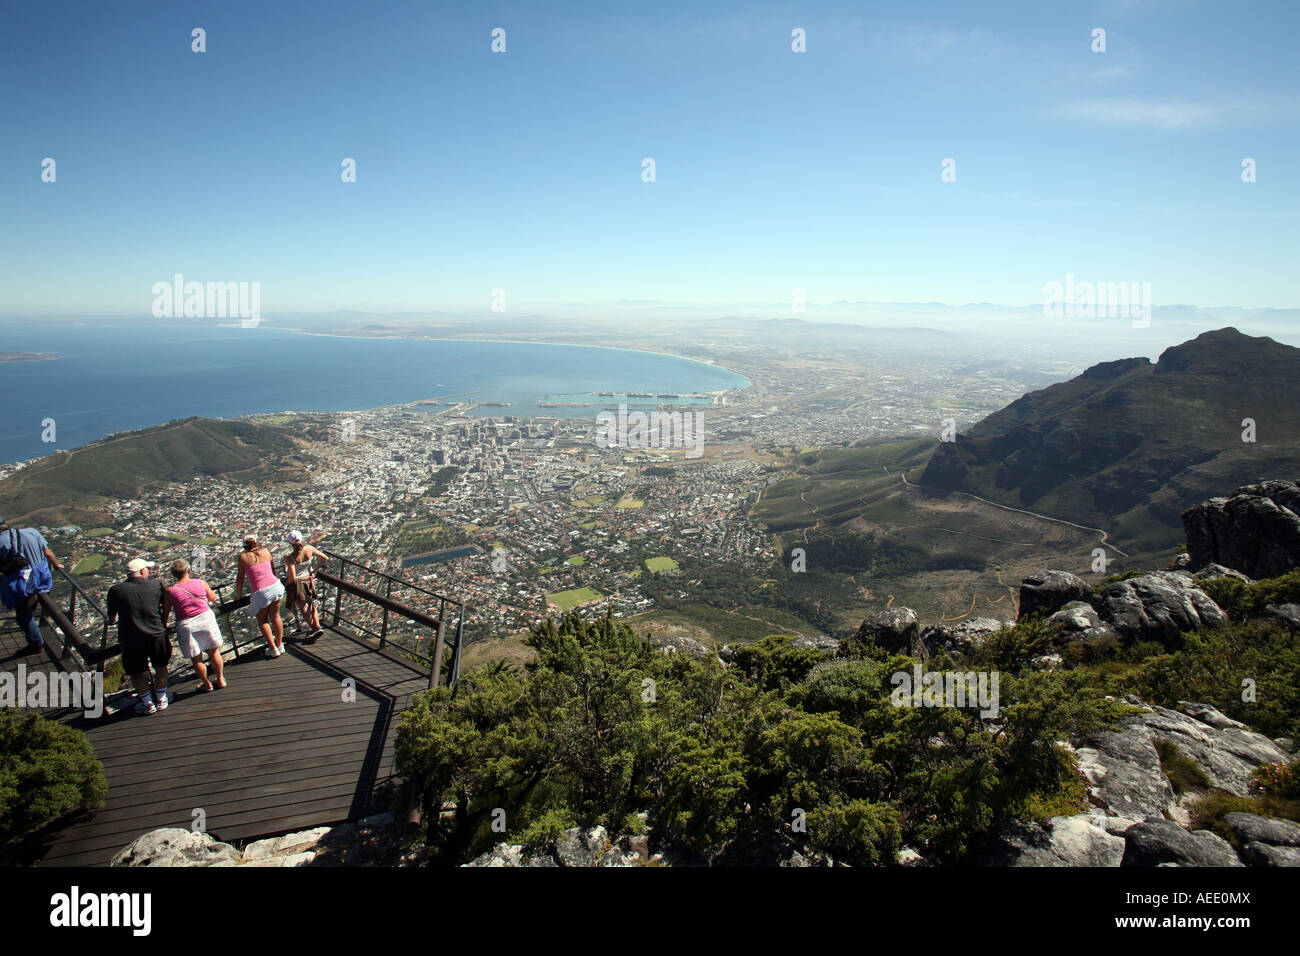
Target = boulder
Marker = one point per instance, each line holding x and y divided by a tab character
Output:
1080	622
1046	592
1080	840
1288	614
1122	770
676	644
173	846
1158	606
1256	531
1262	854
581	846
895	630
503	854
1252	828
1212	571
1226	750
958	637
1159	842
819	643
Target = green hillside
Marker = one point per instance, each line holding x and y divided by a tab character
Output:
75	486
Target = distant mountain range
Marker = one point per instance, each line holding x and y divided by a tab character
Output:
1128	445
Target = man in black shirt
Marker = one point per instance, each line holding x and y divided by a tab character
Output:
135	605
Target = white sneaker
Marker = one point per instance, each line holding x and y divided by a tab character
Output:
146	706
164	698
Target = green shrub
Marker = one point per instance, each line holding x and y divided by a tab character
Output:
1184	773
47	772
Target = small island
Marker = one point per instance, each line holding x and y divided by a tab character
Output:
28	357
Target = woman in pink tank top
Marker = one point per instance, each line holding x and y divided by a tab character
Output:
265	593
197	629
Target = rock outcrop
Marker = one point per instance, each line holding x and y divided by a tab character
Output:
1160	842
1256	531
369	842
1081	840
895	630
1046	592
575	847
1158	606
958	637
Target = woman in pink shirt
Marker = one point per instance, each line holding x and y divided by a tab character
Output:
196	626
265	593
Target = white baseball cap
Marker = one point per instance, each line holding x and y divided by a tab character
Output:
136	565
294	537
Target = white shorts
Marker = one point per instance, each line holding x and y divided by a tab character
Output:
260	600
197	634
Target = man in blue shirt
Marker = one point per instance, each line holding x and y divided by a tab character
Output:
31	545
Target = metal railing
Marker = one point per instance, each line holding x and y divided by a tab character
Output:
425	644
380	610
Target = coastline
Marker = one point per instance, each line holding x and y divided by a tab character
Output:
570	345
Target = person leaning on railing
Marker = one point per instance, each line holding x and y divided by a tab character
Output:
25	562
266	593
301	579
138	601
196	626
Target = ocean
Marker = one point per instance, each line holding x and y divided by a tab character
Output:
119	377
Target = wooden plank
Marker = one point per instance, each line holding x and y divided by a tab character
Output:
277	750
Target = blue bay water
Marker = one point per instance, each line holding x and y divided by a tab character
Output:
114	378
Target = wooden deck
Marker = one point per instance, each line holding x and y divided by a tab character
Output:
13	651
278	750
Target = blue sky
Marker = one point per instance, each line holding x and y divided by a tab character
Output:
522	170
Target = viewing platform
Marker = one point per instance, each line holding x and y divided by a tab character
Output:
293	742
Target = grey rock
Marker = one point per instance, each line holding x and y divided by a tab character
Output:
1212	571
1080	622
581	846
1252	828
1159	842
1157	607
1123	772
1209	715
820	643
895	630
503	854
1288	614
1227	751
1262	854
959	637
1285	743
1256	531
1080	840
173	846
1046	592
673	644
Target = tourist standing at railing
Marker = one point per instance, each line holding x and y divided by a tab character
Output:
196	626
138	601
302	579
265	593
25	562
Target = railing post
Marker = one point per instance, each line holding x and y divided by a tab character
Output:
435	671
338	592
383	625
455	656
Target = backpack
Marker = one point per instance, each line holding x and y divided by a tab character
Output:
17	562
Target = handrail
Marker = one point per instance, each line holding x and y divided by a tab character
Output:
65	621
